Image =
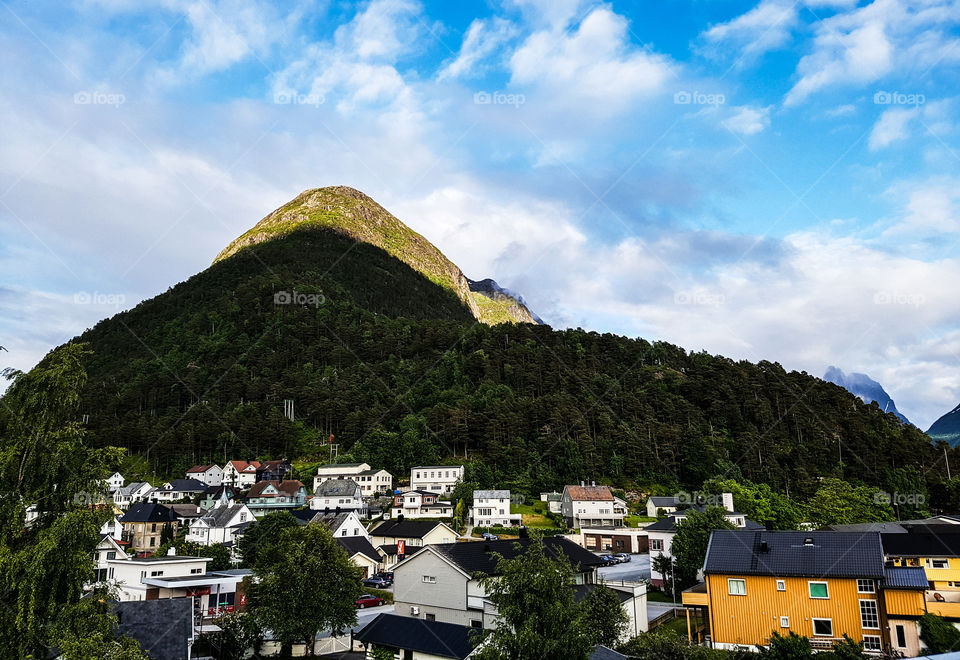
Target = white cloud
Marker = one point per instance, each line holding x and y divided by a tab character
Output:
748	120
931	208
765	27
595	63
483	38
891	127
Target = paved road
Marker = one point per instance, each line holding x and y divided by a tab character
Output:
638	568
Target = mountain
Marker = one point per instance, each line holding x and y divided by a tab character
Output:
947	428
866	388
355	215
375	343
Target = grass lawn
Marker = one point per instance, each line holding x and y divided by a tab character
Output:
533	515
634	521
658	597
678	625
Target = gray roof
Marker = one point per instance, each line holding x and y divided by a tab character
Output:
359	544
187	485
669	524
219	516
491	494
601	652
131	487
807	554
337	487
436	638
481	556
163	627
149	512
405	529
668	500
906	578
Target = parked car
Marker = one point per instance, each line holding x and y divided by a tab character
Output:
367	600
623	557
608	560
376	582
386	575
487	536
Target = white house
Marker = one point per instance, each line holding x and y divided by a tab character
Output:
435	478
115	481
591	506
420	504
212	475
242	474
134	492
220	525
177	489
338	495
112	527
491	508
108	549
661	505
370	480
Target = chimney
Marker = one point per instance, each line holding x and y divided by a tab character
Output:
808	542
764	547
172	552
582	484
727	499
593	483
399	517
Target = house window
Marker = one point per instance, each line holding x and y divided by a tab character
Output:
156	573
784	622
781	585
153	541
656	544
196	571
818	590
430	617
823	627
938	563
868	614
430	579
476	623
736	587
112	554
872	643
901	637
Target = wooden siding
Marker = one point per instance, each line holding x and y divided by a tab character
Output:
904	603
752	618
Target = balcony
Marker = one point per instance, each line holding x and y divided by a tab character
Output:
944	603
696	596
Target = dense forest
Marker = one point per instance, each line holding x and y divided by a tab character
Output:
396	370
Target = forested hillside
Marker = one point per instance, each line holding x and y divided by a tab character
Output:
398	371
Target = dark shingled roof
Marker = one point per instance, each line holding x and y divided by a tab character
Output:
163	627
447	640
405	529
906	578
187	486
669	524
669	500
922	544
355	544
831	554
478	556
581	591
149	512
601	652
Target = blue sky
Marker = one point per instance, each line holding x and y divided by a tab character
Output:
767	181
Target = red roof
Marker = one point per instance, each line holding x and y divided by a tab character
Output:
288	487
200	468
242	466
590	493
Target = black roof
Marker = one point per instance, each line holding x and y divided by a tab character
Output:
669	524
163	627
922	544
355	544
192	485
814	554
447	640
405	529
478	556
581	591
908	577
601	652
149	512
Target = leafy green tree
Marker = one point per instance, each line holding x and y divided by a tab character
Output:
837	502
218	553
938	634
166	534
307	584
787	647
460	516
602	614
258	543
238	633
669	645
848	649
689	546
87	629
759	502
538	617
47	464
663	564
382	653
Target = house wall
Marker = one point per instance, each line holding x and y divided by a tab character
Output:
437	480
446	598
752	618
145	536
612	541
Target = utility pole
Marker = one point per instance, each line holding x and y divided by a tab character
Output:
947	461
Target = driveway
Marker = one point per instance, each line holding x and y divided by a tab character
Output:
638	568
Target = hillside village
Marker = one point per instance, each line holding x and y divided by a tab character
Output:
421	547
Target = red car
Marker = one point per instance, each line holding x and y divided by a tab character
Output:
369	601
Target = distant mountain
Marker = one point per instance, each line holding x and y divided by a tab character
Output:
866	388
505	300
947	427
350	212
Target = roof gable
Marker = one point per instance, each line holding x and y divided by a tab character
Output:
589	493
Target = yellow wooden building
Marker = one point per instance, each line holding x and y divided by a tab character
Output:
821	585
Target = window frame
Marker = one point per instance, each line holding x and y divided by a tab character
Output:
870	583
813	623
876	613
784	621
826	585
731	581
879	643
781	585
